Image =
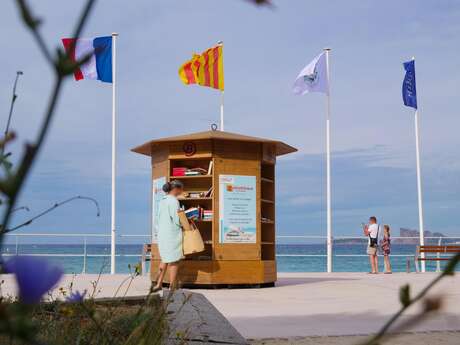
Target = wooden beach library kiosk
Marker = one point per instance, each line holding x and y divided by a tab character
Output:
229	182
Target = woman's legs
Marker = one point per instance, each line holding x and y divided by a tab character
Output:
173	269
161	275
386	259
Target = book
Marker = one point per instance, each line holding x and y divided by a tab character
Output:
192	173
192	213
209	193
199	171
195	195
207	214
179	171
210	167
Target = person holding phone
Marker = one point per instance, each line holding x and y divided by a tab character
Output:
371	230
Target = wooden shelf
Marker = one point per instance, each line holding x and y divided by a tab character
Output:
264	179
203	220
267	201
264	242
189	177
194	199
267	222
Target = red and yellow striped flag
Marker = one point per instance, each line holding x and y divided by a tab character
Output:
206	69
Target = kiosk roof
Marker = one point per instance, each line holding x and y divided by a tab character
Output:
281	148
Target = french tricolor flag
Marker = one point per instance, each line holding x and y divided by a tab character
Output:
99	66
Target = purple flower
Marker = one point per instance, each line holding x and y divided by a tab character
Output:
76	297
34	276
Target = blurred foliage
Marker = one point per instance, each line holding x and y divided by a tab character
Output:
86	323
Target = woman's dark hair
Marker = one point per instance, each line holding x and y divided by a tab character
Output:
169	186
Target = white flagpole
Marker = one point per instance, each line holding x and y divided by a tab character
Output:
419	187
114	133
222	111
221	43
328	166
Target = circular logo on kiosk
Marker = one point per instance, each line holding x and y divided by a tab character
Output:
189	149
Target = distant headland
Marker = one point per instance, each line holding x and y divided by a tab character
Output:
411	234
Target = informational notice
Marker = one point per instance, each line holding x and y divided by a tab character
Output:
237	209
157	195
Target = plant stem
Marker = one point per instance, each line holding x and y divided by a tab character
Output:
418	297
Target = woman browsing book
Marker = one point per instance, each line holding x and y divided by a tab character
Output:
169	234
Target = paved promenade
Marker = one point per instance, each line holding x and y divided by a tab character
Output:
306	304
302	304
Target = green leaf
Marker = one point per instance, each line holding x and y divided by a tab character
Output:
451	265
138	269
404	295
27	16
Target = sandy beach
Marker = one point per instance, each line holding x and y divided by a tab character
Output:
439	338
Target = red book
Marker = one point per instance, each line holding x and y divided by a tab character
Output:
179	171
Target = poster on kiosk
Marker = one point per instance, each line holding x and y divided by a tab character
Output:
157	195
237	209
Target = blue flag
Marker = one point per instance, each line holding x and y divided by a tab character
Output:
409	90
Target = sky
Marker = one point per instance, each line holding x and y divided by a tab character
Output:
373	144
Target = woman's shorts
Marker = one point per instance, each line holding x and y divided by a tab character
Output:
372	250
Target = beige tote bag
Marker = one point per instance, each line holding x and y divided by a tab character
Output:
192	241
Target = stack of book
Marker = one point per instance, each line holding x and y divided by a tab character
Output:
198	212
184	171
195	172
192	195
207	215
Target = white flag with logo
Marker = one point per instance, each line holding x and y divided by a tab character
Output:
313	78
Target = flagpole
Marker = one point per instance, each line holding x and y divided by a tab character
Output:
222	110
419	189
328	167
114	132
221	43
419	186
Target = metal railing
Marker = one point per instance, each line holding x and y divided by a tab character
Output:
364	239
85	255
85	236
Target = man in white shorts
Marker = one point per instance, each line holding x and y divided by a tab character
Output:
371	230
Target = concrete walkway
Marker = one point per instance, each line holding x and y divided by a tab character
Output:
301	304
307	304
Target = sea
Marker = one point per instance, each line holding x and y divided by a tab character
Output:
290	257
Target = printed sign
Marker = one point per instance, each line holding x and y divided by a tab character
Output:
237	209
157	195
